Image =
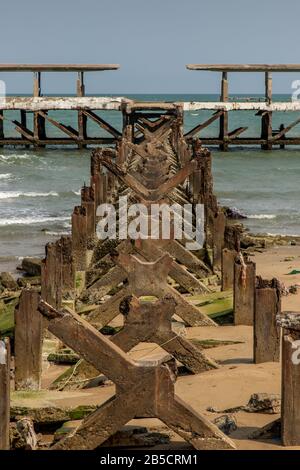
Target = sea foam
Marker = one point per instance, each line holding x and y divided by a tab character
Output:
30	220
15	194
261	216
5	176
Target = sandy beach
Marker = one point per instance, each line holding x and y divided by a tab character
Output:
228	387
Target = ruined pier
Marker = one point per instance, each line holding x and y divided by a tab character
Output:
39	113
269	136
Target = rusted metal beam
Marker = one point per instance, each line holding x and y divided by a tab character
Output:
66	129
105	125
204	124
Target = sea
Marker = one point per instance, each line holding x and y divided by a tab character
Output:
40	187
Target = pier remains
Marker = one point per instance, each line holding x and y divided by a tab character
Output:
44	108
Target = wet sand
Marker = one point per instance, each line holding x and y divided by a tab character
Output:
229	386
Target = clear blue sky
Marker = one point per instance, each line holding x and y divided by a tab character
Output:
152	40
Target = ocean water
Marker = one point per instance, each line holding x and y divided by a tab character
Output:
39	188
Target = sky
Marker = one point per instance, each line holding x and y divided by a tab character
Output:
152	40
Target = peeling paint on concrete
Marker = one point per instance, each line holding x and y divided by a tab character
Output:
3	353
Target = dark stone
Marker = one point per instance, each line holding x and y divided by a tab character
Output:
226	423
7	281
31	266
233	213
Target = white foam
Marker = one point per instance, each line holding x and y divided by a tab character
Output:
14	156
30	220
262	216
56	234
77	192
15	194
5	176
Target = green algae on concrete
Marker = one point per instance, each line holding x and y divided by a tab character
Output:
7	316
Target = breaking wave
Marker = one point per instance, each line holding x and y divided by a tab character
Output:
15	194
31	220
5	176
262	216
13	157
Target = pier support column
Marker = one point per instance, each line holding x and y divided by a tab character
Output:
4	393
23	121
228	257
39	126
28	342
290	379
266	117
224	117
266	341
244	292
82	119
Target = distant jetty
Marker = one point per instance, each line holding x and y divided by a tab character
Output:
87	108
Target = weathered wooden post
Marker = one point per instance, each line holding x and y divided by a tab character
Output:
266	340
88	202
28	342
224	116
219	222
67	265
82	118
51	275
228	257
4	393
290	378
96	177
244	292
128	131
79	245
